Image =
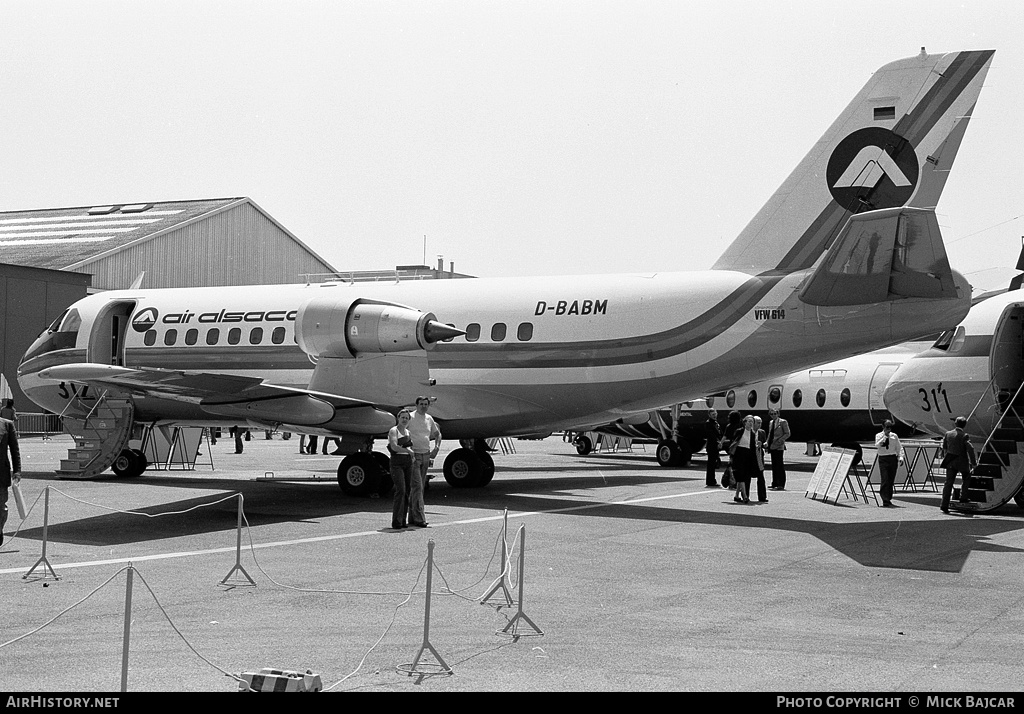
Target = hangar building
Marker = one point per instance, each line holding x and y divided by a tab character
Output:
51	257
220	241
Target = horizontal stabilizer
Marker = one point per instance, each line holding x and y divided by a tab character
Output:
880	256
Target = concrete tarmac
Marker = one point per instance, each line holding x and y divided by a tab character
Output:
638	578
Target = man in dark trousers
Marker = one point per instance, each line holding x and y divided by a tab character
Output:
712	438
778	434
10	469
958	457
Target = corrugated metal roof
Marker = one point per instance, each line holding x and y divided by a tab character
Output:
61	238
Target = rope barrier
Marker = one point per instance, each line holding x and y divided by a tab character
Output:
429	566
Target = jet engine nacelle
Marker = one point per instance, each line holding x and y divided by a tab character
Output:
332	326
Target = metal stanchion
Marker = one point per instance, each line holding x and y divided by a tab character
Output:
441	666
42	560
500	585
513	625
238	553
127	629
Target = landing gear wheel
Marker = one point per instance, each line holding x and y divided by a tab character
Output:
464	468
359	474
130	463
488	469
670	454
583	445
142	457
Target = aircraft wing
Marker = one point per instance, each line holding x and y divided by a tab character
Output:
232	396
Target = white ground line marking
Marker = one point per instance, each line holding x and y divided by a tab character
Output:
360	534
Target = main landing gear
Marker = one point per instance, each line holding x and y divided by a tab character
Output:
364	473
672	454
130	463
469	466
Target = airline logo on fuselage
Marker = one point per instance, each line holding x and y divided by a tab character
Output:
147	318
873	165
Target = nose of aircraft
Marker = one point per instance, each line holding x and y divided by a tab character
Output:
901	396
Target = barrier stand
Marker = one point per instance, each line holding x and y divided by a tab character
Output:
42	559
127	629
238	554
500	585
443	668
513	624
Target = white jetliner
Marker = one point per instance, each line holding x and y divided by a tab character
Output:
975	370
837	402
845	257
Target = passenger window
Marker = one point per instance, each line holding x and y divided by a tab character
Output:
213	336
774	395
278	336
256	336
498	332
730	399
472	332
192	336
234	335
798	398
711	402
844	397
752	398
150	338
170	337
819	398
525	332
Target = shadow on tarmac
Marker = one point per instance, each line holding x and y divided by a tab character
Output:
931	545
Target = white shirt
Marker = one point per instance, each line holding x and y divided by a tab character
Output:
892	449
423	430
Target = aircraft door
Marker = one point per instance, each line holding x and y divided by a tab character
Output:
1007	356
106	342
876	407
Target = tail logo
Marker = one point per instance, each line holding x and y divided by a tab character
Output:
872	168
145	320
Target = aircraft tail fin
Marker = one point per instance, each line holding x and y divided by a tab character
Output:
893	146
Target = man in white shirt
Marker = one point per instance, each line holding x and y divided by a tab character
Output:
889	450
423	430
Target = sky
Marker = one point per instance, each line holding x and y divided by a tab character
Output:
530	137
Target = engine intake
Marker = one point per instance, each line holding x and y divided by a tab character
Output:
345	327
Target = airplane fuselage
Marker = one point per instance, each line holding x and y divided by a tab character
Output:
539	353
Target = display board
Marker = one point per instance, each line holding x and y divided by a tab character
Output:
824	471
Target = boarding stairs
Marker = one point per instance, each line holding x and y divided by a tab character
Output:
100	436
999	475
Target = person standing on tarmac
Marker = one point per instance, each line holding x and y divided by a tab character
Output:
10	470
423	430
889	454
957	457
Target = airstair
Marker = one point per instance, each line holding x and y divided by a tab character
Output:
999	474
101	435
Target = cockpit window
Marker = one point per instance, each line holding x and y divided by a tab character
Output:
951	340
62	334
958	340
942	343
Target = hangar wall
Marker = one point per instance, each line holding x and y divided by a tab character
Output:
30	299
